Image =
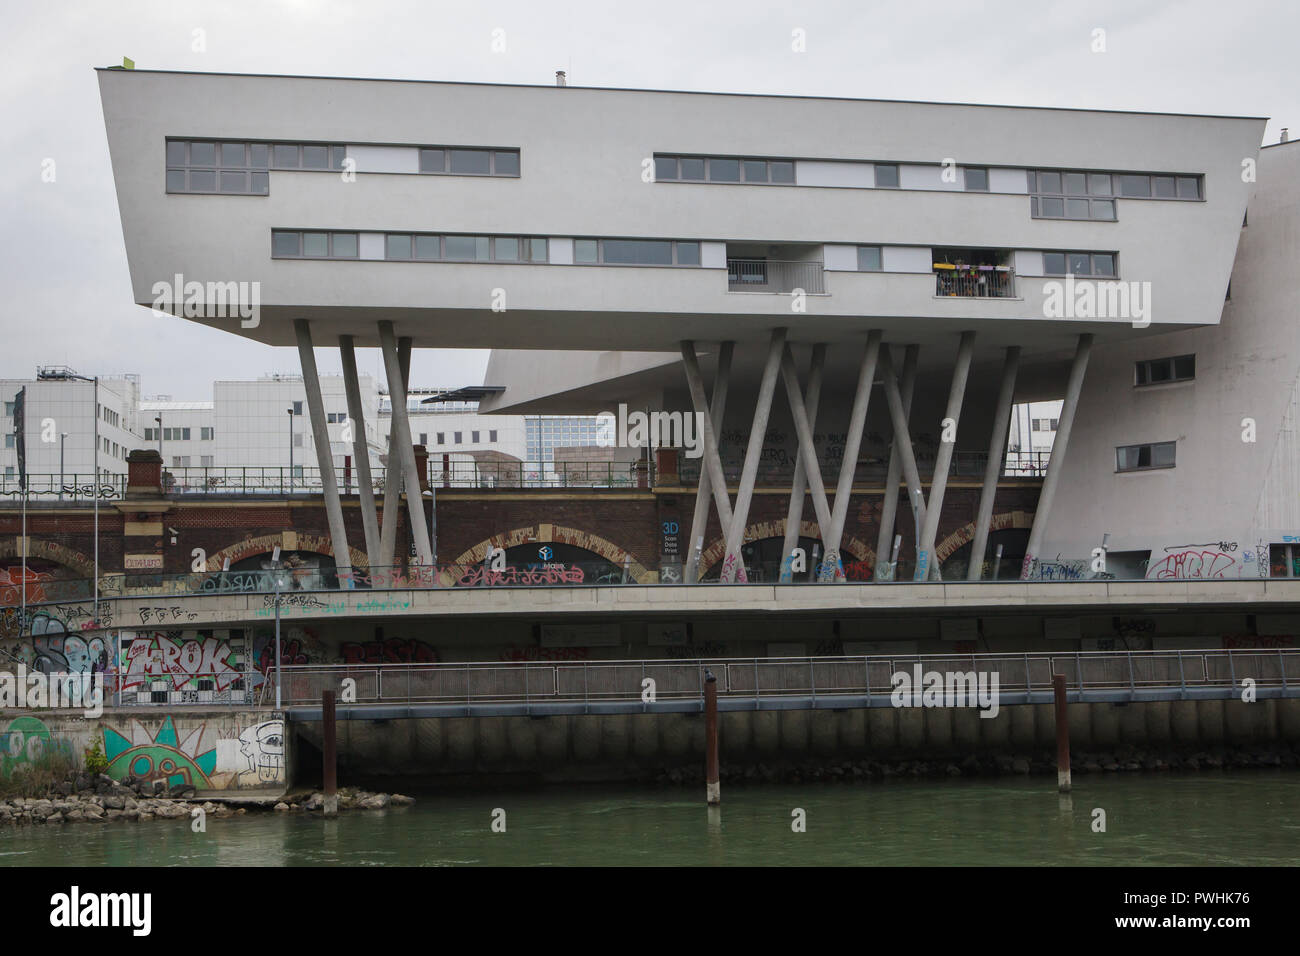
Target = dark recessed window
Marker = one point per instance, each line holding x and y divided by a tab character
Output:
692	167
1144	457
724	170
977	179
887	175
475	162
869	259
313	245
1180	368
1100	264
665	167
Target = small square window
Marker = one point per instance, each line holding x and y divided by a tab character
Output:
1185	366
344	245
584	250
1080	263
1163	187
869	259
688	253
433	161
1052	207
537	250
1076	208
442	438
724	170
397	247
203	180
1075	184
203	154
755	171
460	247
176	180
977	179
886	176
470	161
428	247
1139	186
315	244
473	437
259	155
505	163
1103	264
665	168
234	182
1099	184
781	172
297	408
1103	209
1054	263
315	157
1189	187
340	154
1049	182
492	435
692	168
505	250
286	156
284	243
457	437
232	154
176	153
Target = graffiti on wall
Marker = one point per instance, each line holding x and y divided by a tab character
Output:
262	747
393	650
24	742
13	584
202	756
180	660
1212	560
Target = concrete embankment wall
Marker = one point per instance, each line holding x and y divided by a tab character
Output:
206	749
631	745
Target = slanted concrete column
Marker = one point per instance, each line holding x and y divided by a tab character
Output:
943	460
324	456
733	565
799	481
889	507
360	448
807	451
993	470
717	481
405	449
700	519
1056	464
902	437
852	444
393	472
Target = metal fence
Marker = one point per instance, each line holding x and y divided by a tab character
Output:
64	487
975	283
593	682
775	275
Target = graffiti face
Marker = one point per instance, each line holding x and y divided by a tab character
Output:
263	748
159	756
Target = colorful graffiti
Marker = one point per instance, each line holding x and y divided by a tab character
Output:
535	653
60	653
262	747
521	576
13	584
160	756
180	660
1194	562
24	742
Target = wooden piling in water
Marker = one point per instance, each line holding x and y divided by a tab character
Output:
329	728
1062	734
712	787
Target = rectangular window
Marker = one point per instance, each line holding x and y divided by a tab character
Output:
297	408
473	437
472	162
424	438
724	170
313	245
9	441
636	252
239	168
297	440
1145	457
1180	368
585	250
692	168
665	168
1098	264
886	175
869	259
207	461
442	438
977	179
492	435
456	436
206	433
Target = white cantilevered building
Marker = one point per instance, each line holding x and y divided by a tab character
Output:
852	251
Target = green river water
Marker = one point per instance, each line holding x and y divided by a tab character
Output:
1215	818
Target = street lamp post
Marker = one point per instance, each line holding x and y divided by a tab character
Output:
290	411
158	419
62	437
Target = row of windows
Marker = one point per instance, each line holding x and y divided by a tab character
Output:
721	169
1088	195
1079	264
205	461
458	437
206	433
241	168
1180	368
1046	424
465	248
636	252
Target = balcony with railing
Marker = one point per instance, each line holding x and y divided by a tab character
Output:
973	274
780	269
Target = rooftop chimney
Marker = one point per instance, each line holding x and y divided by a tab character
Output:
1284	136
559	78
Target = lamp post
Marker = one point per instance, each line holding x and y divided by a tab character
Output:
158	419
290	411
62	437
94	488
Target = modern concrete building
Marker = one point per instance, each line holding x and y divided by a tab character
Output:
693	252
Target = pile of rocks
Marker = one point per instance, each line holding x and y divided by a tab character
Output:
83	798
350	798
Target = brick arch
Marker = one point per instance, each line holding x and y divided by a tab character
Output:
562	535
288	541
966	533
50	551
711	555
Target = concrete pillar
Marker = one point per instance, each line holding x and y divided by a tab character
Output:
712	462
943	460
807	452
360	448
324	457
852	444
733	566
405	449
393	473
799	481
889	507
902	438
1055	465
993	470
700	519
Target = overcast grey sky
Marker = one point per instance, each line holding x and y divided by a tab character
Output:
66	285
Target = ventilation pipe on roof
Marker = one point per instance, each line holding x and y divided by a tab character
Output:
559	78
1284	136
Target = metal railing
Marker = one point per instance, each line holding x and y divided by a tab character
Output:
975	282
68	487
775	275
779	468
1129	673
